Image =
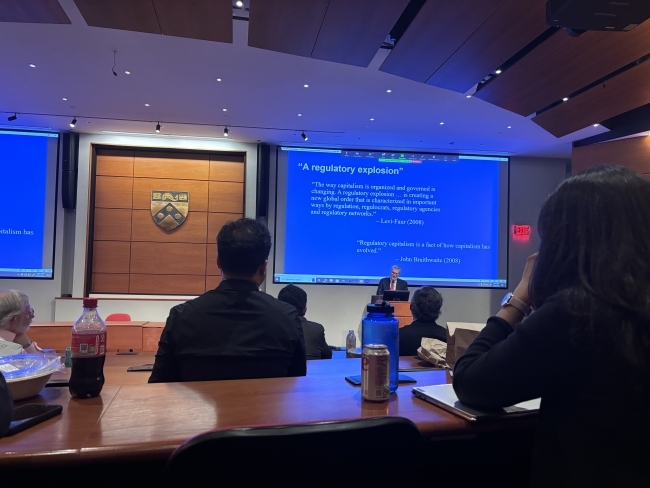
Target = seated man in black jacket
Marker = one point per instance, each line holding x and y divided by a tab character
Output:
234	331
314	332
425	307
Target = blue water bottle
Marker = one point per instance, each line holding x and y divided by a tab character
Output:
381	327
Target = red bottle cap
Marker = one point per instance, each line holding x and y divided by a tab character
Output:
90	303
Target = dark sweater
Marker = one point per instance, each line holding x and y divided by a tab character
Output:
594	425
410	337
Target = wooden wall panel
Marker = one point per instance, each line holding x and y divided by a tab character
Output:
216	222
132	15
226	197
633	153
286	26
111	256
151	337
562	65
211	282
624	92
226	171
113	192
124	338
167	258
194	229
177	166
352	31
110	283
142	188
112	224
210	20
167	284
33	12
438	30
511	27
211	268
114	162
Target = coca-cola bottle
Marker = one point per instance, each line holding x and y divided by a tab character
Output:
88	352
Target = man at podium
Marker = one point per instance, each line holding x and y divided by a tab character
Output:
393	282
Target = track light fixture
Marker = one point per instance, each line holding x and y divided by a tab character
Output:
158	127
13	117
114	64
226	132
74	122
304	136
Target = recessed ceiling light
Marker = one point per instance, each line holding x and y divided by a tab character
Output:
306	86
509	127
127	72
596	125
469	96
224	109
498	71
32	66
218	79
372	118
65	99
146	104
299	115
388	91
565	99
239	4
442	123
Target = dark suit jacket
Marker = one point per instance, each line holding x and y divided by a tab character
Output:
410	337
315	343
234	331
384	284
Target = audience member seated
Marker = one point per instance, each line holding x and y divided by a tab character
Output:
234	331
16	316
6	406
586	348
425	308
315	343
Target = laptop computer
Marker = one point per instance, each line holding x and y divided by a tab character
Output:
444	396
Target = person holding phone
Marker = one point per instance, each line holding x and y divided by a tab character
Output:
586	348
16	316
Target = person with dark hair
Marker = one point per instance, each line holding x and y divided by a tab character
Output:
234	331
586	348
425	308
315	343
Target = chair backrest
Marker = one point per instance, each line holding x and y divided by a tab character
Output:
374	449
122	317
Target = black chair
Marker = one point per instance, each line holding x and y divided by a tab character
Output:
366	451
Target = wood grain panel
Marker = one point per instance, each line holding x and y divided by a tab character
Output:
33	12
151	337
142	188
226	197
211	268
167	284
113	192
562	65
111	257
211	282
131	15
177	166
511	27
633	153
194	229
210	20
167	258
226	170
216	222
627	91
51	337
286	26
112	224
110	283
438	30
114	162
353	31
124	338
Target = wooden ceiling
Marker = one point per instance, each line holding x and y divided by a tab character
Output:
457	45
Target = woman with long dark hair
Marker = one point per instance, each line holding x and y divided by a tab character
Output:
586	348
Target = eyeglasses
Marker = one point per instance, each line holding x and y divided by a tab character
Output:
31	312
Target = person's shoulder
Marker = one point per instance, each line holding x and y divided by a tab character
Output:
276	305
315	325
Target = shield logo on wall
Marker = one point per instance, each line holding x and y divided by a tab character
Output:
169	208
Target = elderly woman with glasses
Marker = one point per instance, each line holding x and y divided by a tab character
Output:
16	315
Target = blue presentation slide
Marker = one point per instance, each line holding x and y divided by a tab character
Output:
24	163
351	215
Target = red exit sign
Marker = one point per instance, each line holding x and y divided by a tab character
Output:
521	230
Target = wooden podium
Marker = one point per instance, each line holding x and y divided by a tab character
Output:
403	312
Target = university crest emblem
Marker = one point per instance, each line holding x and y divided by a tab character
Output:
169	208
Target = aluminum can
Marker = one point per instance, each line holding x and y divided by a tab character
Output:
375	373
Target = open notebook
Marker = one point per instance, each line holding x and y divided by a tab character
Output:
444	396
